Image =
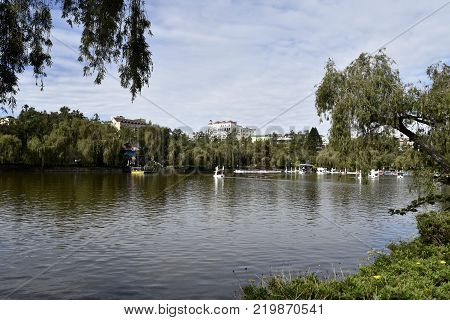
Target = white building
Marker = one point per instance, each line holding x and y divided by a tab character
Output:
279	139
261	138
221	129
284	139
120	122
6	120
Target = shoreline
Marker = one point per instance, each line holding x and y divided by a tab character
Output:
416	269
26	168
95	169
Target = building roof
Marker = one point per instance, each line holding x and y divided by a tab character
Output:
219	122
129	121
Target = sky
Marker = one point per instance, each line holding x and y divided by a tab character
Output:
244	60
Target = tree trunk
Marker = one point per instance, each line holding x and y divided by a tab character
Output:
424	146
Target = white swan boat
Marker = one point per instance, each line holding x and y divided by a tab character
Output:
374	174
219	173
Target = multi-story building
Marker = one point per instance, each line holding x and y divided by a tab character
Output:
221	129
120	122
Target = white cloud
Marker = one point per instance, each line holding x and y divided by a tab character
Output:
246	60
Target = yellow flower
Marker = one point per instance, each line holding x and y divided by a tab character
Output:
418	262
377	277
442	262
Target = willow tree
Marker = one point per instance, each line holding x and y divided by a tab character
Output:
113	31
368	99
9	148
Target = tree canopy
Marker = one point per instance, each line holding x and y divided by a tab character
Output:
313	142
367	101
67	138
113	31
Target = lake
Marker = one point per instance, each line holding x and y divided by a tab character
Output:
118	236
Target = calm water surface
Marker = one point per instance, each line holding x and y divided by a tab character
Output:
117	236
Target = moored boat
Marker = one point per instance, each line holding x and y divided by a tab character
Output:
257	171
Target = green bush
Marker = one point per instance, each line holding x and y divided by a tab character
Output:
434	227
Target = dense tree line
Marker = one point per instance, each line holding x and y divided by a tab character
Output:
68	137
58	138
364	154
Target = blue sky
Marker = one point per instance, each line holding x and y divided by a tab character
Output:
244	60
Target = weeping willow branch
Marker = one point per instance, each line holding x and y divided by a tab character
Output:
430	200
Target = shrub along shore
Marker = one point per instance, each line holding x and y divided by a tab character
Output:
418	269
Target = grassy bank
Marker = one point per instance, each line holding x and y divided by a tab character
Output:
413	270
